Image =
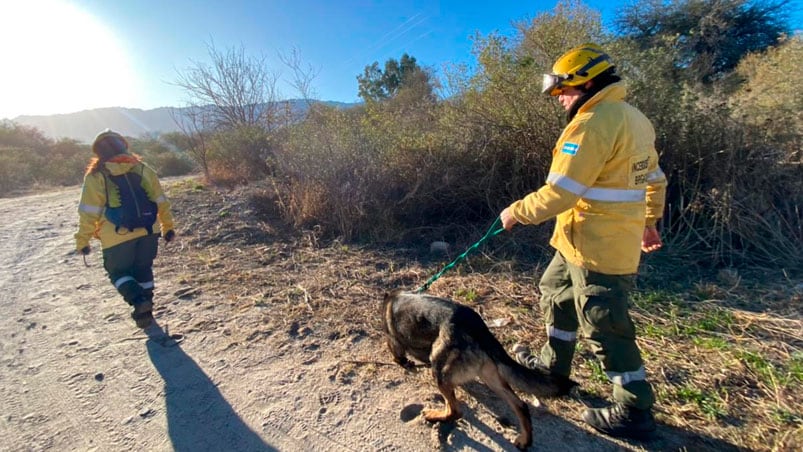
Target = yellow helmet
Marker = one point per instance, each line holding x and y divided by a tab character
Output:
576	67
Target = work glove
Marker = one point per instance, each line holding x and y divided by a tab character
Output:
84	251
169	236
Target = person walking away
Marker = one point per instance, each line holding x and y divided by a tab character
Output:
607	193
123	205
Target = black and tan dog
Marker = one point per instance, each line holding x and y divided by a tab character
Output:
457	343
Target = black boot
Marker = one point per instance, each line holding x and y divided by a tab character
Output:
142	313
622	421
522	355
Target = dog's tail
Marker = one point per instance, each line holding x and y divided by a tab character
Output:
538	382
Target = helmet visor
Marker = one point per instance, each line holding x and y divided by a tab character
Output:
551	83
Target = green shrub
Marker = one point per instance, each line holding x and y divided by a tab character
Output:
241	154
15	171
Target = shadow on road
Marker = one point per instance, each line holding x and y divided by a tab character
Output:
198	416
668	438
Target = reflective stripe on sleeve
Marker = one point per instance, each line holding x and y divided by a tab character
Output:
567	336
615	195
596	194
623	378
146	285
566	183
90	209
122	281
655	175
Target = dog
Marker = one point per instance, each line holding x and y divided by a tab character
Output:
457	344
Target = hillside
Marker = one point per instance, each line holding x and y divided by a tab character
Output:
84	125
134	122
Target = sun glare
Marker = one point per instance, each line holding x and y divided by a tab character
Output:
59	59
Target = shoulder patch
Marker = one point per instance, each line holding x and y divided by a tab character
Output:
570	148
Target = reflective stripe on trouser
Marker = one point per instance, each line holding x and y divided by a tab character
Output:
557	306
130	267
601	301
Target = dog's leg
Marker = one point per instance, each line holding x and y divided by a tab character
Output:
490	376
441	359
452	410
398	353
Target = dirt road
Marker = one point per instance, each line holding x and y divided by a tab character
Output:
217	374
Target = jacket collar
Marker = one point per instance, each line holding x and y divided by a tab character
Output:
121	164
614	92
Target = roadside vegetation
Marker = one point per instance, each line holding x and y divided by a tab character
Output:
437	154
31	161
723	348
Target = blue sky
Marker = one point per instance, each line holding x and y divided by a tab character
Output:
81	54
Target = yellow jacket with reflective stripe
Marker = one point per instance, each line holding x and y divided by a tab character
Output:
93	223
604	186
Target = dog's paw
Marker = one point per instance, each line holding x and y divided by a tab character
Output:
432	415
404	362
523	442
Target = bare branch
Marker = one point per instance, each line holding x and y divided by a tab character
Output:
303	75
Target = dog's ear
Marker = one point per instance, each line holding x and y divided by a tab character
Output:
392	294
386	299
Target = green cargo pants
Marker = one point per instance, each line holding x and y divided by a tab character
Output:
130	267
575	298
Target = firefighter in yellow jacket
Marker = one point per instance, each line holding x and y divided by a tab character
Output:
118	186
606	191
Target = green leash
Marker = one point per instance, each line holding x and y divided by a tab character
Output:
491	232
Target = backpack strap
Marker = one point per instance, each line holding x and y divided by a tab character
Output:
104	172
141	178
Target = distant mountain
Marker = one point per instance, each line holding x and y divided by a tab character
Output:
133	122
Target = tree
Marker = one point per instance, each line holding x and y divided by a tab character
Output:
236	94
712	36
235	90
404	74
550	34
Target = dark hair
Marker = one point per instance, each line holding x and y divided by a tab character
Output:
110	146
598	83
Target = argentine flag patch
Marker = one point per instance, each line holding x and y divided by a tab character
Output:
570	148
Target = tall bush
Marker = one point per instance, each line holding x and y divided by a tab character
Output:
771	97
410	163
163	156
328	171
731	198
241	154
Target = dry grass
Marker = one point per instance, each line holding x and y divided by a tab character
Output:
725	357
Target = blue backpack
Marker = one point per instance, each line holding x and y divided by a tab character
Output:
136	209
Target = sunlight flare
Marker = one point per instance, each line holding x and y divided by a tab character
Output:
59	59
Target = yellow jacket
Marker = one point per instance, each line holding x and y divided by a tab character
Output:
93	223
604	186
